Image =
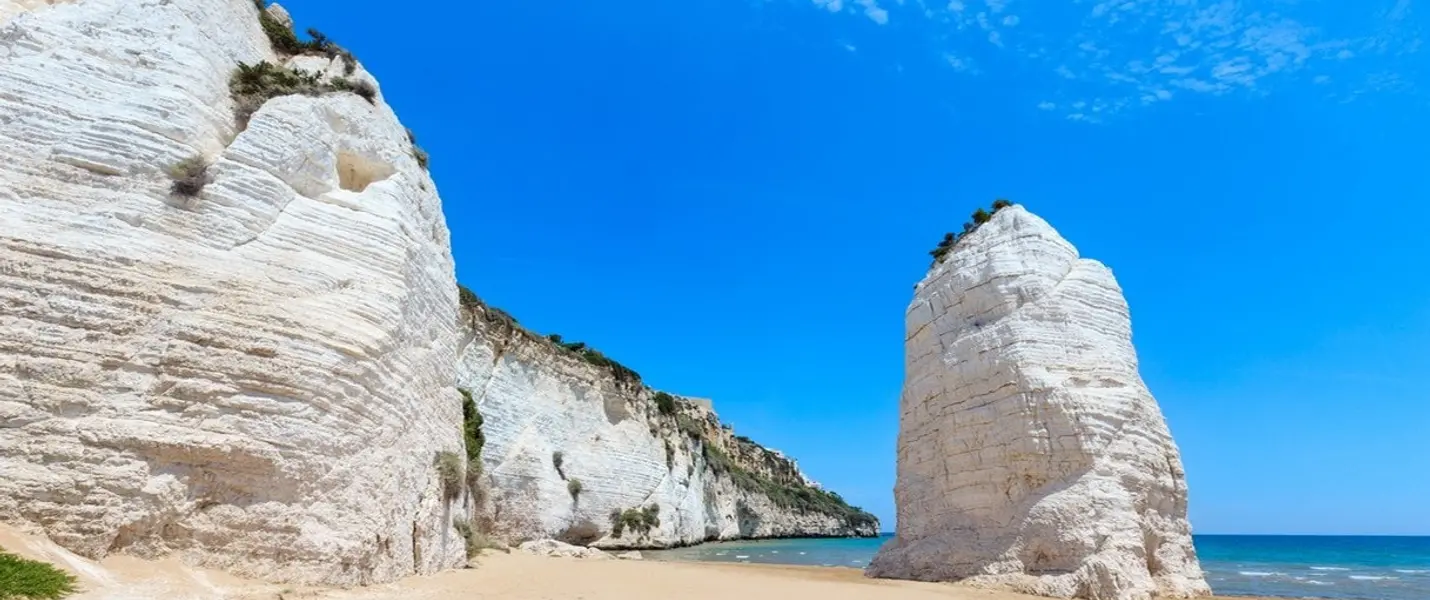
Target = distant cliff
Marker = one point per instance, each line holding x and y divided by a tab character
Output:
1031	455
576	447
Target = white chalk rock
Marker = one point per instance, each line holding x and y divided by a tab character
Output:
258	377
1031	455
280	14
562	550
570	447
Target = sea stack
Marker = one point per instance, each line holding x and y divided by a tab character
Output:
1031	456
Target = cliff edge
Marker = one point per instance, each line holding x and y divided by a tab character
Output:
1031	455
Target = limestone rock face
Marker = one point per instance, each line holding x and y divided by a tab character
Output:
551	418
1031	455
258	377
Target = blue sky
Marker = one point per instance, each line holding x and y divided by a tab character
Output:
736	198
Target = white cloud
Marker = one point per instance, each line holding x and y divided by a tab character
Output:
960	64
1045	105
1129	53
872	10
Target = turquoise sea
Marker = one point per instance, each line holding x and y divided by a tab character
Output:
1361	568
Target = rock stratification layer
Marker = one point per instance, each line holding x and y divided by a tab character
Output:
583	451
258	375
1031	455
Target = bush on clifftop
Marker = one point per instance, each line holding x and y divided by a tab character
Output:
950	239
665	403
253	85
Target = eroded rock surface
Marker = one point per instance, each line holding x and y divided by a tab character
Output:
647	477
258	376
1031	455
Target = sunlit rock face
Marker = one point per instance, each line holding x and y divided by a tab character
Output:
258	376
1031	455
551	418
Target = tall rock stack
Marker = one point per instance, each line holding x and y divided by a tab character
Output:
252	364
1031	455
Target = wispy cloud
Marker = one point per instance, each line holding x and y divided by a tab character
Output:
1115	54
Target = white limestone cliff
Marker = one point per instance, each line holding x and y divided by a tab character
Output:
538	400
257	378
1031	455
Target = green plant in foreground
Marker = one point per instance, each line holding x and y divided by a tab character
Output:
24	579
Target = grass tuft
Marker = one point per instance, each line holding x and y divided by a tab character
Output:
190	176
24	579
449	469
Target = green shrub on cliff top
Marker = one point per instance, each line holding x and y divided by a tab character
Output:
950	239
253	85
24	579
665	403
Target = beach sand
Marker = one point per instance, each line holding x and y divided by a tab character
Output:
521	577
497	575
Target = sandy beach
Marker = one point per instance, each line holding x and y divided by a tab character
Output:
499	575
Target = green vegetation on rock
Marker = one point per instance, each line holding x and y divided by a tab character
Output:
24	579
449	470
802	498
573	487
950	239
253	85
473	439
640	521
190	176
665	403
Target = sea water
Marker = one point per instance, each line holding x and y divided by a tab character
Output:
1361	568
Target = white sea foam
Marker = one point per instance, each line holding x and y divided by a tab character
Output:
1256	573
1314	582
1372	577
1329	569
742	556
1412	571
